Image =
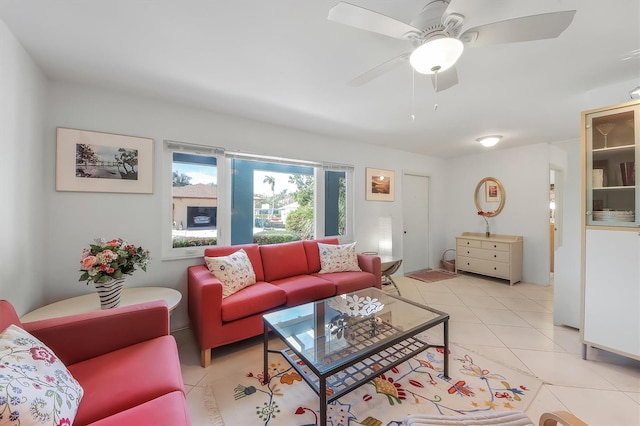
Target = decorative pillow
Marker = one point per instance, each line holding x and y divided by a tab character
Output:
35	386
235	271
338	258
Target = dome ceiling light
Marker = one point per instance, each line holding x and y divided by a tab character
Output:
436	55
488	141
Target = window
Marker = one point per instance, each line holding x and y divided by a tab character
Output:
335	216
194	198
278	200
272	201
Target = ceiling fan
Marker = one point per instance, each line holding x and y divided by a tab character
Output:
439	39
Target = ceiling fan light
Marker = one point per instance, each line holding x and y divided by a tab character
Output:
488	141
436	55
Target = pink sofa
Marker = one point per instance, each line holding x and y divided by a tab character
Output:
286	275
124	359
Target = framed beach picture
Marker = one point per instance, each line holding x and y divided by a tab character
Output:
379	185
89	161
492	192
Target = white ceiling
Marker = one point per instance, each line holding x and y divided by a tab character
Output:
282	61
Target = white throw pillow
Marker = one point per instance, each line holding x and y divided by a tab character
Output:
338	258
235	271
35	386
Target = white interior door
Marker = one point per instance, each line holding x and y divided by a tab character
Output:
415	221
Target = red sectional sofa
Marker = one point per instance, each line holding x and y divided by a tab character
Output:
286	275
124	359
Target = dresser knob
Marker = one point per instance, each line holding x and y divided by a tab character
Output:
495	255
494	246
495	269
468	252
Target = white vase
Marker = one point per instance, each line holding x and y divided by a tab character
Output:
109	293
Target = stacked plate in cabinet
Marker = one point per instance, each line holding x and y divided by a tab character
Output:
614	216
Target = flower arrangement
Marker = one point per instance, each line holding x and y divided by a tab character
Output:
105	261
484	216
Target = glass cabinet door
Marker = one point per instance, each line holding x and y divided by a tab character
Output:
611	157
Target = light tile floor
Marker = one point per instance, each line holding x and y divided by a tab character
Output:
512	325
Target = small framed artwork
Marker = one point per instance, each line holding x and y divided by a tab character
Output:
379	185
492	192
89	161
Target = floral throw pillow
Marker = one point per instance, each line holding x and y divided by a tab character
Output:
235	271
35	386
338	258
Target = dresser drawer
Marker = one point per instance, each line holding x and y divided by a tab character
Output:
490	245
497	256
481	266
464	242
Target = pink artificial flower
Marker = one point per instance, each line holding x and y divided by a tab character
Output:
64	422
88	262
113	243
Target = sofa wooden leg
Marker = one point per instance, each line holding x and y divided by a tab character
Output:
205	357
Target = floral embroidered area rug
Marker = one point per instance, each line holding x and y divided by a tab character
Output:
477	385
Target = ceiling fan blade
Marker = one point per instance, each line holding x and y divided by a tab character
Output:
365	19
527	28
378	71
446	79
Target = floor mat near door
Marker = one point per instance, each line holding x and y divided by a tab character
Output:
431	275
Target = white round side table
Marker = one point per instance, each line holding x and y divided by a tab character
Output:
91	302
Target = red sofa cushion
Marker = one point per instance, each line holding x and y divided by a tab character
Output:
153	367
166	410
253	251
305	288
313	253
283	260
346	282
256	298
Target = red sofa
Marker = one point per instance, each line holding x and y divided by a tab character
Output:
124	359
286	275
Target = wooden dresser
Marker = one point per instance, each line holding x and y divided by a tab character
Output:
498	256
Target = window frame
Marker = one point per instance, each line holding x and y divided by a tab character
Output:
224	204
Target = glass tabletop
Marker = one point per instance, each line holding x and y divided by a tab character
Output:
332	332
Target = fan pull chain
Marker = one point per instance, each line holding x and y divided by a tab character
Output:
413	94
435	86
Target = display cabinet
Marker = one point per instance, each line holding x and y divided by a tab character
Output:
610	284
611	150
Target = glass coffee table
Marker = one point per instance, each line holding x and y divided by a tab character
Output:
340	343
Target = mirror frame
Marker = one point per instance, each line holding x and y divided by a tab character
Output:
503	196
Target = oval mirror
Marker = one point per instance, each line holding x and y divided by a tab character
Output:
490	196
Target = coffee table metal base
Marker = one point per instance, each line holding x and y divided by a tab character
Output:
358	372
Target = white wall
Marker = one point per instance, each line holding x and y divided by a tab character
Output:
77	217
524	173
23	263
566	309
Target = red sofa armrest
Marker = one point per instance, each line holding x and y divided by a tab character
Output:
371	264
205	304
80	337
